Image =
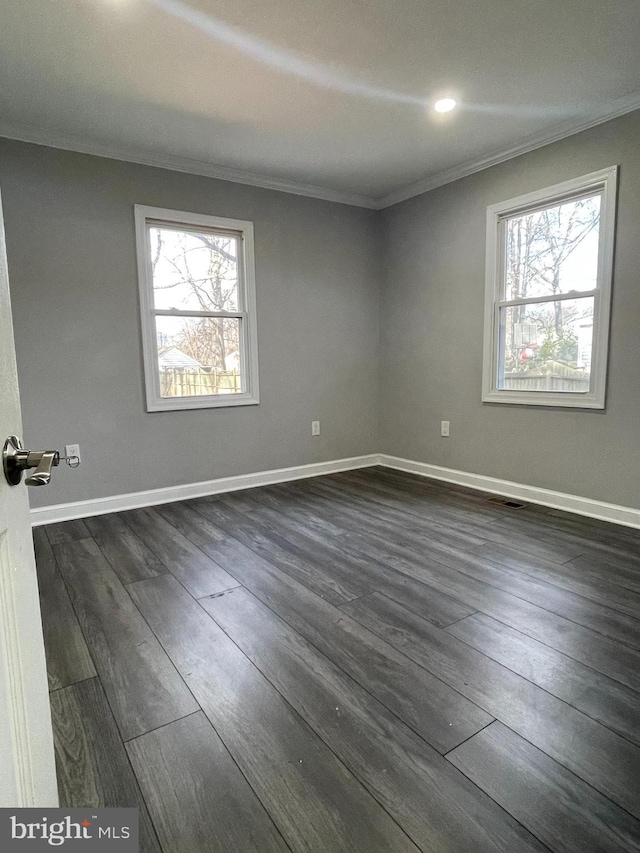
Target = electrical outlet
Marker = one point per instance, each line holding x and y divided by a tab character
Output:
444	428
72	450
315	427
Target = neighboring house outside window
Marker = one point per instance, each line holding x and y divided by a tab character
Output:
198	309
548	294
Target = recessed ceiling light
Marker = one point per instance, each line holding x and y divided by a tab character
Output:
445	105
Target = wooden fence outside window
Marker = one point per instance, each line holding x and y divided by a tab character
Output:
197	383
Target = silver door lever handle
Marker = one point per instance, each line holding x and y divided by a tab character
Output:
42	474
16	460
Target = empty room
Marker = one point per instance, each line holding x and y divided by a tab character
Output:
319	407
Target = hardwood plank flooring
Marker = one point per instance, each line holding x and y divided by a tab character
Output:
143	687
394	763
330	582
575	608
91	761
552	546
181	557
619	549
435	567
191	524
298	779
365	661
402	501
441	715
597	587
594	565
129	557
591	527
67	531
368	510
439	608
197	796
590	750
68	658
599	697
560	809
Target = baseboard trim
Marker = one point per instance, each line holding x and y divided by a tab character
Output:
627	516
152	497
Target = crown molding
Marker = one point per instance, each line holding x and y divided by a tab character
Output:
52	139
472	166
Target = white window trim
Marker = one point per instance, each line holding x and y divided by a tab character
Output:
249	356
605	181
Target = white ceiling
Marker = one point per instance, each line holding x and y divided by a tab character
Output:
328	97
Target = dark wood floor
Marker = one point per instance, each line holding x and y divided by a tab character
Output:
368	662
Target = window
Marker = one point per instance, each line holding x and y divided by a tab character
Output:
548	294
198	309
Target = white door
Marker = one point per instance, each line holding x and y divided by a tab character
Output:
27	769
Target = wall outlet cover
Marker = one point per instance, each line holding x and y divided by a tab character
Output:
72	450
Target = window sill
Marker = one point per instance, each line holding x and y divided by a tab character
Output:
222	401
557	399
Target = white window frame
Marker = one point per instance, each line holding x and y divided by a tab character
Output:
604	181
144	216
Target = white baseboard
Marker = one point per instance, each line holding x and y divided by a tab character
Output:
628	516
152	497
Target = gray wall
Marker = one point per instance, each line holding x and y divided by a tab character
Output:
375	386
72	266
432	327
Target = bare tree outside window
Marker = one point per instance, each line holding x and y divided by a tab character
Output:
194	270
549	275
198	309
551	252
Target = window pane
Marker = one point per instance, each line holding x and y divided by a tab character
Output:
194	271
198	356
546	346
554	250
